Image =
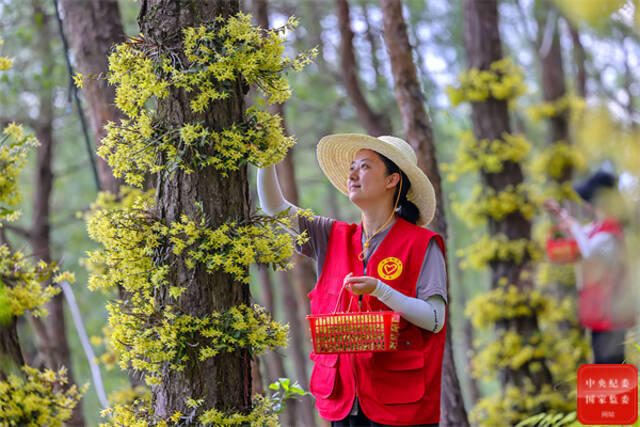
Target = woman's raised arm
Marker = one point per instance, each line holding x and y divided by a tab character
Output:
270	196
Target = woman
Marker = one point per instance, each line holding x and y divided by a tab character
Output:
606	303
388	259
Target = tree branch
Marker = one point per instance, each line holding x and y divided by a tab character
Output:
17	230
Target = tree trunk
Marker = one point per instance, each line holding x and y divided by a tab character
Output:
375	124
223	381
93	27
419	135
579	58
553	81
490	121
10	350
53	335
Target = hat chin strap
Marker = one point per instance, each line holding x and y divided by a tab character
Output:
366	242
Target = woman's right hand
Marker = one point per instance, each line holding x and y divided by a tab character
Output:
564	220
552	206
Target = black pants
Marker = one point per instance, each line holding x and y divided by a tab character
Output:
608	346
361	420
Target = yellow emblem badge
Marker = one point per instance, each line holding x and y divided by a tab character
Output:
390	268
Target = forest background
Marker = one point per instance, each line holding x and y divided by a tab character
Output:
573	67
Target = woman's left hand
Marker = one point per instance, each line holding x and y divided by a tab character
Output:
360	285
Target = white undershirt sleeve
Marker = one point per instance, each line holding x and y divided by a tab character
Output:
601	244
427	314
270	196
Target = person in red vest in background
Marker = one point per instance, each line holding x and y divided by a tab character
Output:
388	260
607	303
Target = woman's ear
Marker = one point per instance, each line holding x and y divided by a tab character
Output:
392	180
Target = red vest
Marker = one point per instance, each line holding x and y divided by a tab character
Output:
603	306
400	387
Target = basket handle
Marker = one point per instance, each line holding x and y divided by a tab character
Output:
364	300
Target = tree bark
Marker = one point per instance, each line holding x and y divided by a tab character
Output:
579	58
375	124
223	381
10	350
53	336
93	27
419	135
553	81
490	121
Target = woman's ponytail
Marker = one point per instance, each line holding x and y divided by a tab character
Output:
406	209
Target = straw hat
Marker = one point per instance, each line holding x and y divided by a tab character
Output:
336	152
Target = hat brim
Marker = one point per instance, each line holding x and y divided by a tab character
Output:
336	152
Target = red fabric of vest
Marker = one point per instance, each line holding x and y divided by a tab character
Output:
397	388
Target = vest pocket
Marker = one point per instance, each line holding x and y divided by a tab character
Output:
323	375
398	376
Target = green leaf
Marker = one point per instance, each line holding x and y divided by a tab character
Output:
285	383
274	386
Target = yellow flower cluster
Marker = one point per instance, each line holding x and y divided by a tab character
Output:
506	408
133	73
145	343
567	103
498	248
509	350
259	140
140	415
14	145
214	59
505	302
233	246
489	156
129	236
261	415
136	414
556	158
503	80
133	147
485	203
21	283
217	56
145	335
128	395
33	401
233	47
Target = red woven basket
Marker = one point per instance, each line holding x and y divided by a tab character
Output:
561	250
354	332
